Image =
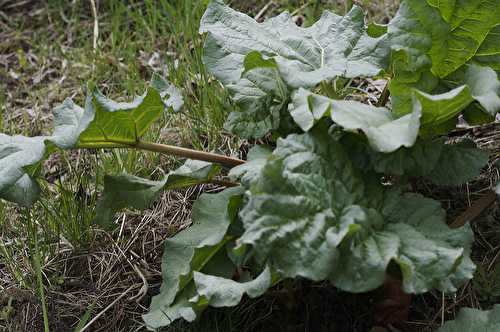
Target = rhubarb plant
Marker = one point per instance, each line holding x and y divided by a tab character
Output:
331	196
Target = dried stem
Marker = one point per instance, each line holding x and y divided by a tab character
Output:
475	209
96	24
384	97
189	153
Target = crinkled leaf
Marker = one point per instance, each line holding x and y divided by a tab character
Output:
222	292
311	214
333	46
385	131
261	95
469	319
376	30
190	250
125	190
247	172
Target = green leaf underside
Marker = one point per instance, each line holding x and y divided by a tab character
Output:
128	191
103	123
384	131
469	319
223	292
311	214
433	39
333	46
191	250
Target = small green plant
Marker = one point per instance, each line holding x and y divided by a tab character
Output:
312	204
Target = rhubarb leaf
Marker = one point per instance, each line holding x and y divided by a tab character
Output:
434	39
125	190
222	292
333	46
190	250
247	172
261	95
103	123
310	213
459	163
385	131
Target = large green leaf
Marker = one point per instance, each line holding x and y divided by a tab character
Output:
480	84
459	163
333	46
129	191
489	52
443	164
418	160
468	24
187	304
385	131
103	123
310	213
222	292
433	39
191	250
261	95
469	319
439	109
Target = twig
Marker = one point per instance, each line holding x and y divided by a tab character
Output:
96	24
189	153
474	210
263	10
107	308
144	288
384	97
